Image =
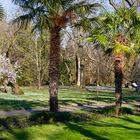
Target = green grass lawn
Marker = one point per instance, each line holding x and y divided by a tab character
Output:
97	127
34	98
122	128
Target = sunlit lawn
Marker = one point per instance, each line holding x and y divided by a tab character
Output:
103	128
122	128
34	98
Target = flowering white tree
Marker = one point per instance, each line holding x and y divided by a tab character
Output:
8	74
8	70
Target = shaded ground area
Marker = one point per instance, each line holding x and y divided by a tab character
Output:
125	127
34	99
8	104
67	108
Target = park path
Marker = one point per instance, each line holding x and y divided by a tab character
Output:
62	108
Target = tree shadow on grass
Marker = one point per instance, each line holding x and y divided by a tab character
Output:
16	134
72	122
7	104
84	132
71	101
102	99
86	101
118	124
130	120
131	98
110	98
19	135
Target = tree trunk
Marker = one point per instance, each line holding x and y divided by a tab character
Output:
82	77
136	73
138	86
82	66
16	90
78	70
118	67
90	73
37	53
54	67
5	82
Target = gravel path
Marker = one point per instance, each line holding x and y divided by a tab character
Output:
62	108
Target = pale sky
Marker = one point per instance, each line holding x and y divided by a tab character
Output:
9	8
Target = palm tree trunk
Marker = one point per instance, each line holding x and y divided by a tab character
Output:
118	67
54	68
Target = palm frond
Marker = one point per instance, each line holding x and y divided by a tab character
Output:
83	8
121	48
46	12
119	29
87	23
24	20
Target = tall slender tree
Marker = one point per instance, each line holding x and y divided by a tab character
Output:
52	15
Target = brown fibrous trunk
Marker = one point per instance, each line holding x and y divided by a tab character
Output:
118	67
54	68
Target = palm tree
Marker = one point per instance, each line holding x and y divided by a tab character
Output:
116	31
52	15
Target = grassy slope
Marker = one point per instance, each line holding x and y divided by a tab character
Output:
39	98
123	128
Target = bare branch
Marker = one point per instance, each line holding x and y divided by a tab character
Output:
129	3
113	4
109	68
